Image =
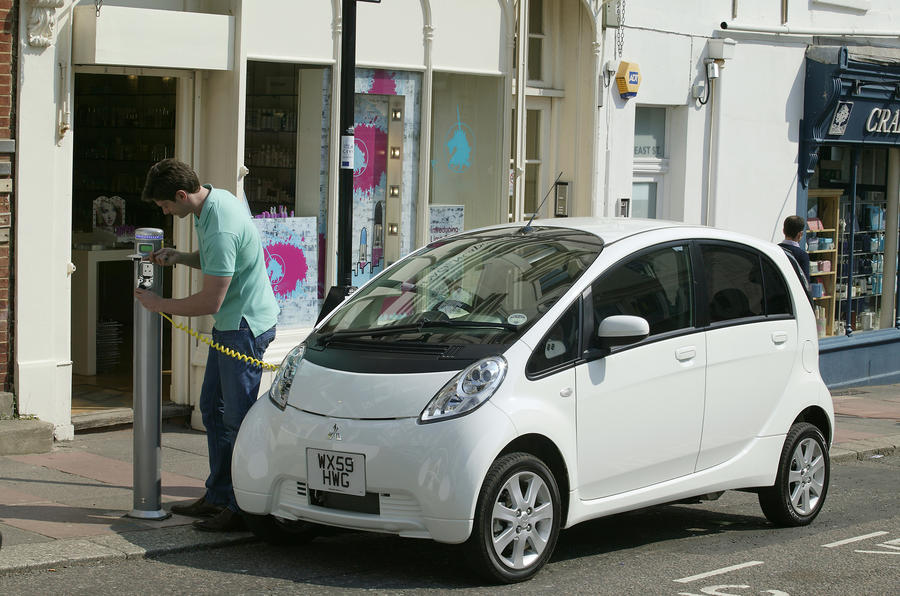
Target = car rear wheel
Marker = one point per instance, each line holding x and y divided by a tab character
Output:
280	532
802	481
517	519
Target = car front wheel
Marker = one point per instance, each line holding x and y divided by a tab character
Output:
802	480
517	519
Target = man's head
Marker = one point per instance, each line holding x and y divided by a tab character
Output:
793	227
169	182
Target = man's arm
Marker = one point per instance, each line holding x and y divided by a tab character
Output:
207	301
170	256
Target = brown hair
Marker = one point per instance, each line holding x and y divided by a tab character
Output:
166	178
793	225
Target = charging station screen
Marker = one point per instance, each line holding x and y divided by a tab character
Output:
148	248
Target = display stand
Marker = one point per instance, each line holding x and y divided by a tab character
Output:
823	253
85	305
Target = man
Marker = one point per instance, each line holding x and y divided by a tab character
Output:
237	293
793	231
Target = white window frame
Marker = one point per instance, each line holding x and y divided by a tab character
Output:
656	169
545	39
542	105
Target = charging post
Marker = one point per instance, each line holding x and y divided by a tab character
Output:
147	385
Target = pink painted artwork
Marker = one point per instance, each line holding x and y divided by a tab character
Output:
290	247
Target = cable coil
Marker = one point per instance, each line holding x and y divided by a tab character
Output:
220	347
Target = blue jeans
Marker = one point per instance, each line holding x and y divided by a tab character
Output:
230	387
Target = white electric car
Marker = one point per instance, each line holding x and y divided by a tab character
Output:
496	386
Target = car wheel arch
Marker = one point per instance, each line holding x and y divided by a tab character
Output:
816	416
546	450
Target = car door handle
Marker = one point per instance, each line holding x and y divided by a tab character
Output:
567	392
779	337
686	353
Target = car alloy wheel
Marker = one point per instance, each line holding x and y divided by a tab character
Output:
802	481
517	519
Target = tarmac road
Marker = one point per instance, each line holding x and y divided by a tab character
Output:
722	547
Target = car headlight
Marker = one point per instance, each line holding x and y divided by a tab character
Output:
467	390
281	386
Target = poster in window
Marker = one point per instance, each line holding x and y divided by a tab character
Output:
291	256
446	220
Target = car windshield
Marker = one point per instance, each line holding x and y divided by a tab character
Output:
483	287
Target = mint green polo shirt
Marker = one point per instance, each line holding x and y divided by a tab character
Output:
230	246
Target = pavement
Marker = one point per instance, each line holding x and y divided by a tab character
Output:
70	506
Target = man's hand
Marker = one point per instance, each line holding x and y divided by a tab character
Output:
165	256
150	300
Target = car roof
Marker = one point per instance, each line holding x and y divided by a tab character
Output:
609	229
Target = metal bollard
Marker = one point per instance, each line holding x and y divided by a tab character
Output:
147	365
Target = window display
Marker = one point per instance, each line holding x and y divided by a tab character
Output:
466	144
854	229
386	169
287	127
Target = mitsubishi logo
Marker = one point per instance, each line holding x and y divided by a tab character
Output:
335	433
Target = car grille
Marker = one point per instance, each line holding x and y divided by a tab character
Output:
294	494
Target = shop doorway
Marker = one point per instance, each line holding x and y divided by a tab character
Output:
123	125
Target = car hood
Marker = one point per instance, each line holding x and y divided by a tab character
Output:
341	394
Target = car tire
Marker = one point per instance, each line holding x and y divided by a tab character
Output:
801	484
517	519
279	532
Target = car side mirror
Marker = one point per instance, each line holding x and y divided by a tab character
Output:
617	330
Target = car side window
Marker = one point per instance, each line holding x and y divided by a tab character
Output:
778	299
559	346
734	285
655	285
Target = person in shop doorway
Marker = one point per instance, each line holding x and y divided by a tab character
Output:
793	231
237	293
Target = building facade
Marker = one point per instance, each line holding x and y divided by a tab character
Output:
8	35
467	113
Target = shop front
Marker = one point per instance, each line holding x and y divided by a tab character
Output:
252	106
850	164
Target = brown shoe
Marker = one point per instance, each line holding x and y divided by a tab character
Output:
226	521
199	508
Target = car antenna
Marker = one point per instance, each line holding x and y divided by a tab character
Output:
527	227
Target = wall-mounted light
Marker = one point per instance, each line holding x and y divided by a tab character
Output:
395	190
395	152
393	229
396	115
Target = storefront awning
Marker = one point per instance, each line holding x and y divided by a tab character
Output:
124	36
852	97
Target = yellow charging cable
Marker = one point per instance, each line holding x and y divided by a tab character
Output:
220	347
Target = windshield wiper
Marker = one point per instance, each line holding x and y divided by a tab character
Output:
396	329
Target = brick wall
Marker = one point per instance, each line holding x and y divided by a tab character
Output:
9	10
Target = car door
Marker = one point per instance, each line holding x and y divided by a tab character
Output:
640	408
752	346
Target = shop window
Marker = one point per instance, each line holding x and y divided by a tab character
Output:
650	161
466	156
861	298
385	167
286	151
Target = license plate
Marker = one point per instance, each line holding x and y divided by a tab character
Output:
336	471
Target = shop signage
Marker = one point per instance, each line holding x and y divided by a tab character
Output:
841	118
884	120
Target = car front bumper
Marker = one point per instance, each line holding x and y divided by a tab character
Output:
426	476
